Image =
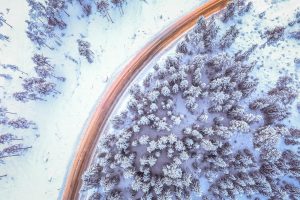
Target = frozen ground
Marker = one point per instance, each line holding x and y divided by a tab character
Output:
41	172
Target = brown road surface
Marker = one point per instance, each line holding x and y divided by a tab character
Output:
114	91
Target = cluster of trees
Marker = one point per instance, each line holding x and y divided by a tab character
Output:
234	9
180	122
276	105
49	18
102	6
45	19
37	88
10	144
231	185
251	177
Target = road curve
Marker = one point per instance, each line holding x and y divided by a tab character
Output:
114	91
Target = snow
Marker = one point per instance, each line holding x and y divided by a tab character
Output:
40	173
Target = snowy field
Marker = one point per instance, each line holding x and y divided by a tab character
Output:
40	173
133	153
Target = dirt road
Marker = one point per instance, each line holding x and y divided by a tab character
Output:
89	140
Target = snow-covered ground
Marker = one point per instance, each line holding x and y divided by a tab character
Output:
40	173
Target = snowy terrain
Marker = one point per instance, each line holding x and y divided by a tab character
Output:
122	164
40	173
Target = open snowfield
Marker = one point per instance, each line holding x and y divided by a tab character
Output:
40	173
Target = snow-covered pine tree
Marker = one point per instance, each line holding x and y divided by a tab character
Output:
8	138
13	150
229	12
229	37
21	123
84	50
274	35
102	8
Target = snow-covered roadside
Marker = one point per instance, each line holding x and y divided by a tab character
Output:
40	173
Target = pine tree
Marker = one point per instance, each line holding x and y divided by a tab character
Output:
4	37
229	12
165	91
92	177
95	196
114	195
119	4
21	123
4	21
274	35
26	96
13	150
84	50
243	161
201	25
37	10
274	112
242	56
172	171
211	29
266	137
43	67
8	138
59	5
39	86
38	38
239	125
102	7
153	95
245	8
295	35
182	47
229	37
54	17
208	145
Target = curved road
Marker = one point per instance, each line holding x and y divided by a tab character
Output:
104	108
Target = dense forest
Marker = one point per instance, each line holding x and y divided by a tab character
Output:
199	126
